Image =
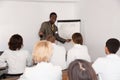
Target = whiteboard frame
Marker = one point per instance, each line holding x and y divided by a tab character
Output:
69	21
70	44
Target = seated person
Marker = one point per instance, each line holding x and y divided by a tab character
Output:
108	68
43	70
81	70
15	57
79	51
59	53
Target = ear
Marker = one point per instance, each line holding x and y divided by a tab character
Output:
72	41
106	50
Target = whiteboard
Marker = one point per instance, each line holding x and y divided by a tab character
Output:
66	28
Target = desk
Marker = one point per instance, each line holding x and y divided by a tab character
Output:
65	75
3	70
13	78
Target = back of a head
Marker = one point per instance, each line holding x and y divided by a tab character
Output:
42	51
113	45
50	38
77	38
15	42
81	70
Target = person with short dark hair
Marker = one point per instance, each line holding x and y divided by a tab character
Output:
78	51
108	68
15	57
81	70
49	28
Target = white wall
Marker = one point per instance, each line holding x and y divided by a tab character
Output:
45	0
25	19
100	21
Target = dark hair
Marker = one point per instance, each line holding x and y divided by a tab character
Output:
81	70
15	42
50	38
53	13
77	38
113	45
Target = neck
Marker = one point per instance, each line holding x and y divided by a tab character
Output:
51	22
108	53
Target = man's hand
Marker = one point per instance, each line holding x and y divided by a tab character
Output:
68	40
41	34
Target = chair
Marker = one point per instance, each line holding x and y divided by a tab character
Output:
64	75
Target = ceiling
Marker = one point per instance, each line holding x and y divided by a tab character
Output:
45	0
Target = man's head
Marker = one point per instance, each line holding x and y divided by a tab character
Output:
53	17
112	46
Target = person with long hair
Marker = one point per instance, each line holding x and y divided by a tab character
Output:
43	70
15	57
81	70
78	51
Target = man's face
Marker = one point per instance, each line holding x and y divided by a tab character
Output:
53	19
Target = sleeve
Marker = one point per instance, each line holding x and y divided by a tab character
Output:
29	60
88	56
42	29
99	68
70	57
96	66
3	60
62	40
58	73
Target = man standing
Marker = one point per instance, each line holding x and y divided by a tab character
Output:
49	28
108	68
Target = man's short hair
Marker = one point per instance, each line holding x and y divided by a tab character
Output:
53	13
113	45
